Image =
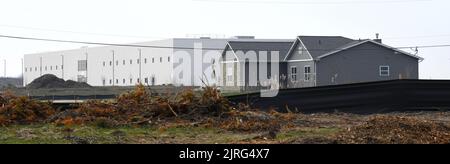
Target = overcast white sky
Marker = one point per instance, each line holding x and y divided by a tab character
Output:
399	22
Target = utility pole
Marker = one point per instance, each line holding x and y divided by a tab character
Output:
86	66
62	66
23	73
113	68
40	66
4	69
140	66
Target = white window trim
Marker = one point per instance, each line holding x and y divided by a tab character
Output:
292	74
388	70
307	74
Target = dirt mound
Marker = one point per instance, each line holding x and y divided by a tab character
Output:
51	81
397	130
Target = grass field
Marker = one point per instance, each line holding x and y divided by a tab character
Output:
50	134
316	128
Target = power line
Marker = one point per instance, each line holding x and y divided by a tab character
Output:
99	43
187	48
78	32
313	2
419	36
428	46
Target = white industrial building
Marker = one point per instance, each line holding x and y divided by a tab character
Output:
149	63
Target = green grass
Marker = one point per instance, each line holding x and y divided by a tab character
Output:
50	134
306	133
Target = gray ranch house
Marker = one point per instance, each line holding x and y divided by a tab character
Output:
311	61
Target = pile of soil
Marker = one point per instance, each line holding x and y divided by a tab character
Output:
397	130
51	81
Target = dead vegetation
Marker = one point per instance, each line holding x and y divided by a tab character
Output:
207	109
21	110
139	107
397	130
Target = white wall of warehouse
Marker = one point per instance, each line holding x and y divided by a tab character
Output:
97	72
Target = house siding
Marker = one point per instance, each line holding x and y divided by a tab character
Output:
242	74
361	64
301	82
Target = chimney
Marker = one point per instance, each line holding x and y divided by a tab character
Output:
377	35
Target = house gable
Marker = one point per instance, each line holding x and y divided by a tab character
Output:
229	49
298	52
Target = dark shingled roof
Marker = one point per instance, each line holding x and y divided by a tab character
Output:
282	46
320	45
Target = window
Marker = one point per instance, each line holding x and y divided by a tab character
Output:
153	81
62	66
301	50
229	74
153	60
117	81
145	61
56	67
117	62
160	59
82	65
51	68
138	61
307	73
131	81
123	62
385	71
138	80
35	68
294	74
168	59
104	82
146	80
110	63
104	64
123	81
45	68
131	61
110	81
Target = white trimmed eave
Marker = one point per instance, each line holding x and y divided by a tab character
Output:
231	49
291	49
298	41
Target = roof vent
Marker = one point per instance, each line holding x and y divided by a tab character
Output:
377	36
